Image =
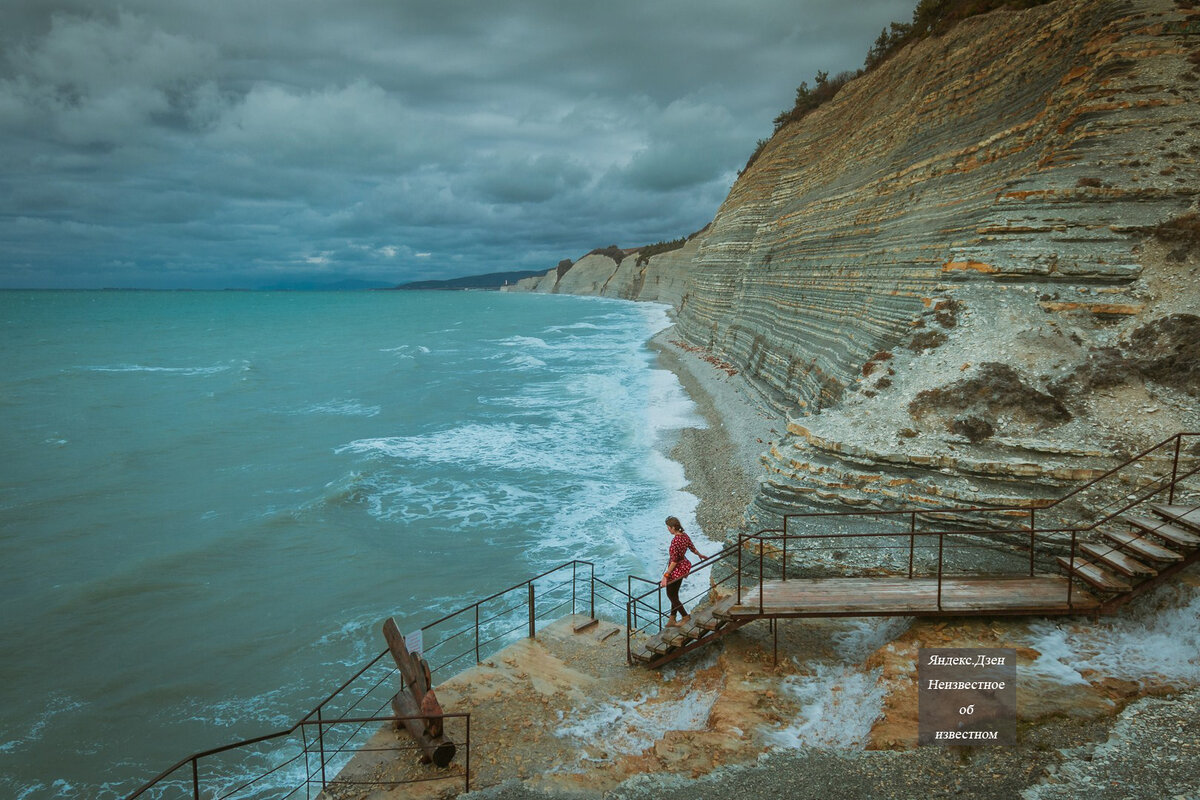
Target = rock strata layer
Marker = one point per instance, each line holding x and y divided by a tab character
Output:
950	277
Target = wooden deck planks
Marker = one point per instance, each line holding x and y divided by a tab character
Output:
912	596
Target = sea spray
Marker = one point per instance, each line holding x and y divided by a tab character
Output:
631	726
838	706
1156	640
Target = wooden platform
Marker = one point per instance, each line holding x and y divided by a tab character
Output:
900	596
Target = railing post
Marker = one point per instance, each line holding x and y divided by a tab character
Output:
912	541
592	593
467	779
739	569
1032	528
785	549
1071	569
196	778
760	574
573	563
629	599
321	745
1174	469
941	544
477	634
628	631
531	611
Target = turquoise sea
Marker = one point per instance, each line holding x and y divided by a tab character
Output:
210	501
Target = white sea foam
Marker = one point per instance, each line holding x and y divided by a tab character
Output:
631	726
524	362
839	706
349	408
1157	640
56	705
473	446
862	637
185	371
406	350
523	341
578	326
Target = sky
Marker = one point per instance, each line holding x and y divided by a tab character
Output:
214	144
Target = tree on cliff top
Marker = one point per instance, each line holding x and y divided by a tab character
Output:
930	18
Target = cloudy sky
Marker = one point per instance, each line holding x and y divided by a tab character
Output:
213	143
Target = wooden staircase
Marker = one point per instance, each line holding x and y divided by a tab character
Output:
1136	553
1126	557
709	622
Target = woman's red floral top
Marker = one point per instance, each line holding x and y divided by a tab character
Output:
679	547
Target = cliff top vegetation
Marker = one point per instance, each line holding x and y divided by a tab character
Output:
930	18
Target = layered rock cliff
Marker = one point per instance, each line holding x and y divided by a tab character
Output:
971	277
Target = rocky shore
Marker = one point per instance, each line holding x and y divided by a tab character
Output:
1107	708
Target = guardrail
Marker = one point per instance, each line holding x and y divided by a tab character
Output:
1157	474
327	737
481	628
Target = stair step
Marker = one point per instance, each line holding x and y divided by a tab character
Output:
658	646
1116	560
1094	575
1188	516
1142	547
676	637
1165	530
720	610
641	653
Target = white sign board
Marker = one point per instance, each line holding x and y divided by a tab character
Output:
414	642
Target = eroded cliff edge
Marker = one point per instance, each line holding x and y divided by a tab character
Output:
971	277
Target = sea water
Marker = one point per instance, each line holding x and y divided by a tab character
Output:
210	501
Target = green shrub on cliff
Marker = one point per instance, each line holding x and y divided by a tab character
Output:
930	18
649	250
612	251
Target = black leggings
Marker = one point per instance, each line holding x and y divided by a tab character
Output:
673	596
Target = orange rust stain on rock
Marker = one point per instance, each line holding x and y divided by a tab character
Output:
963	266
1074	74
1095	308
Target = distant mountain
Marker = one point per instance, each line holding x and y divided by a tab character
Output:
492	280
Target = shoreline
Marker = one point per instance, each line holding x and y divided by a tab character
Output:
560	716
722	461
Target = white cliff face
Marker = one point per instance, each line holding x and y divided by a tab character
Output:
970	277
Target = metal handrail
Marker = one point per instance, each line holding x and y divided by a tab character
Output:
632	602
315	715
1156	486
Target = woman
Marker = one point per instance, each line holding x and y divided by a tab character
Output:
677	570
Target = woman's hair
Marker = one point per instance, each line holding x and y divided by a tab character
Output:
674	524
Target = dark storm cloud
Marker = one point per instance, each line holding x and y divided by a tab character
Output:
189	143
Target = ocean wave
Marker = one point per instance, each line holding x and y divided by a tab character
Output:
578	326
524	362
475	446
184	371
349	408
522	341
56	705
407	350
